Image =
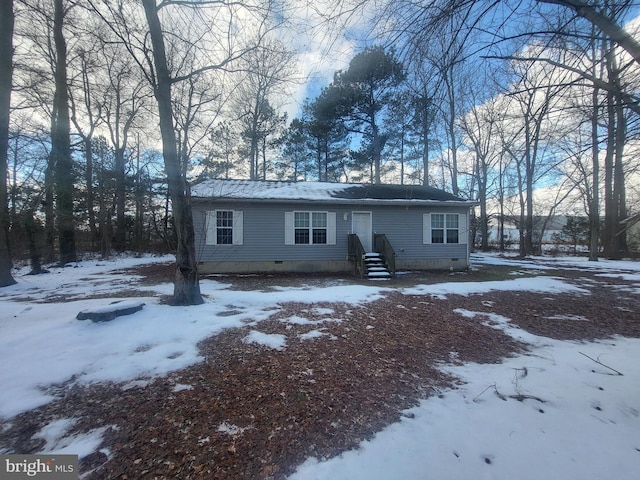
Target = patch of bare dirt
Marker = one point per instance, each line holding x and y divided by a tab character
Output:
607	308
249	411
151	274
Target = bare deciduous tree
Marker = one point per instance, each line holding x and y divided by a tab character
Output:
6	69
60	155
480	126
186	286
146	41
602	19
267	70
125	93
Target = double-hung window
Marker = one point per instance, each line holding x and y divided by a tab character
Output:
444	228
437	228
224	227
310	228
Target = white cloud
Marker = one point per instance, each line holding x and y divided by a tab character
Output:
320	34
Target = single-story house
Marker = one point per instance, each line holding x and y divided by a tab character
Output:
272	226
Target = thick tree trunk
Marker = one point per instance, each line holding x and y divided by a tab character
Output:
186	286
609	206
619	191
6	70
594	205
61	144
615	203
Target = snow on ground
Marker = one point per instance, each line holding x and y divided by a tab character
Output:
554	262
540	284
271	340
42	344
576	420
552	413
57	441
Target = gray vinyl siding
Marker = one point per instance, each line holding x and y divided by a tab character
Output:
263	236
403	226
264	232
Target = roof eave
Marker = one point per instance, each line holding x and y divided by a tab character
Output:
343	201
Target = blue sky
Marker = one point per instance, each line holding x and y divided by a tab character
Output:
325	48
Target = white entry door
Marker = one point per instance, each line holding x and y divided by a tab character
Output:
361	226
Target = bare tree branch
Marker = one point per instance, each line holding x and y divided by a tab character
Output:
600	363
631	101
604	23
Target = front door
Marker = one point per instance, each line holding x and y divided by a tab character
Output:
361	225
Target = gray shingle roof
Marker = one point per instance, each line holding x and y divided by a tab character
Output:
321	191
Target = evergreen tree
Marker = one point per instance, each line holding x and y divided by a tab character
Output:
360	97
297	158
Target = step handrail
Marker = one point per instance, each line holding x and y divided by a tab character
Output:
382	245
356	253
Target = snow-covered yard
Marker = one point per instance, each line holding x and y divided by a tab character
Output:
552	413
562	409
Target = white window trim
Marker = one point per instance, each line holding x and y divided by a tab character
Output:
211	226
289	227
462	228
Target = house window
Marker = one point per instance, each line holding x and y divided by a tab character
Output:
443	228
319	227
310	227
437	228
224	227
452	228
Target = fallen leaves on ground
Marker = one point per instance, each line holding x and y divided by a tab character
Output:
249	411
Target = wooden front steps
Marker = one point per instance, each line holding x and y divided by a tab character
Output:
375	267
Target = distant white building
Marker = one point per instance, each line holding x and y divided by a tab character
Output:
553	231
547	230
